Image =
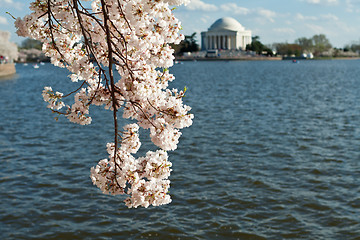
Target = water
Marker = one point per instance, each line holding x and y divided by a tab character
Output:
273	154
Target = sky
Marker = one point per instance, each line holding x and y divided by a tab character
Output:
274	21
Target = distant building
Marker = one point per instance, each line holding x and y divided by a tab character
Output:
225	33
8	53
8	50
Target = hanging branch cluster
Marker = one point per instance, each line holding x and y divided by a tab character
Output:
93	39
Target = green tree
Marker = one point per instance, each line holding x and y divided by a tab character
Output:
288	49
31	43
189	44
306	44
355	47
321	44
258	47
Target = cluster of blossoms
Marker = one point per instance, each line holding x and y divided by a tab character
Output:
128	173
95	38
54	99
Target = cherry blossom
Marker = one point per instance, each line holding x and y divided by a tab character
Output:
95	39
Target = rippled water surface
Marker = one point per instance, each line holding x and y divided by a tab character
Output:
274	153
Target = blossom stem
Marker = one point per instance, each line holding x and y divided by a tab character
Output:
112	82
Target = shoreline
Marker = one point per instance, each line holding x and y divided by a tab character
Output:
228	59
7	69
257	58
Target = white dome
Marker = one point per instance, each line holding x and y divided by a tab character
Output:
226	23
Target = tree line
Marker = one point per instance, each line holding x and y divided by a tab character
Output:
316	45
355	47
29	43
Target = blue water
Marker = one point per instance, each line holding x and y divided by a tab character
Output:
274	153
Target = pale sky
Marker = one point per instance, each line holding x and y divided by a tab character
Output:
272	20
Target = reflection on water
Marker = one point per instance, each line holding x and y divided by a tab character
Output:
273	154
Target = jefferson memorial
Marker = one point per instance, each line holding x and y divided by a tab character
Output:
225	33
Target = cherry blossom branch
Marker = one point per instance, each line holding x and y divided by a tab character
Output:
112	83
132	38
